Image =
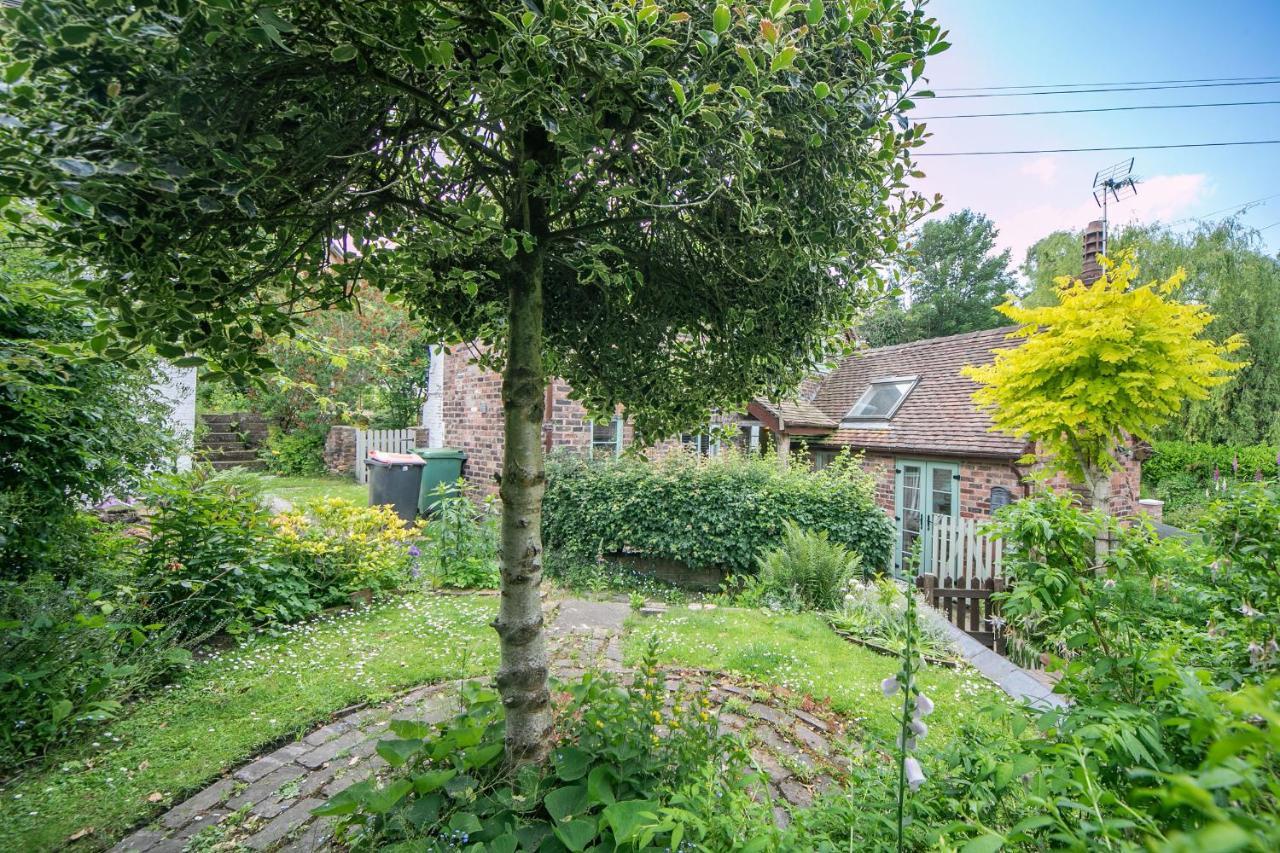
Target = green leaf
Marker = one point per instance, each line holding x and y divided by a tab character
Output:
346	802
343	53
397	752
383	800
481	756
76	34
821	90
678	91
14	71
720	19
61	710
989	843
814	13
778	8
898	59
567	802
1221	838
504	844
576	834
571	763
77	204
628	818
432	780
190	361
784	59
74	166
662	41
410	729
600	786
509	246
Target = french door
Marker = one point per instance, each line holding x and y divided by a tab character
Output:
922	490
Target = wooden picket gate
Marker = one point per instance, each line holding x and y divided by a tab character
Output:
964	569
384	440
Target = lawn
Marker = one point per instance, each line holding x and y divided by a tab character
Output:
798	651
235	704
299	489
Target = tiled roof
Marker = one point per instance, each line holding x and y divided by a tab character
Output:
798	413
939	416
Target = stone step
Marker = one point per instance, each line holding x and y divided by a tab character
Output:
245	419
222	465
241	455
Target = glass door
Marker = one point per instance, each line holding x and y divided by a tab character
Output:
922	490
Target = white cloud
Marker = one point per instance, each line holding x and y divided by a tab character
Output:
1043	169
1161	197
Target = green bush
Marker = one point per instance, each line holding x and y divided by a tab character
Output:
341	547
462	540
722	512
75	641
210	564
630	771
298	453
806	572
1197	461
73	428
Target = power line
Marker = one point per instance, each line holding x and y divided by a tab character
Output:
1267	82
1112	83
1233	207
1097	148
1098	110
1272	225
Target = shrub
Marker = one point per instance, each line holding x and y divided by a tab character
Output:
876	612
720	512
299	453
806	572
462	540
73	427
211	565
342	548
1199	460
629	773
74	642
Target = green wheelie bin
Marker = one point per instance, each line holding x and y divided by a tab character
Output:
443	465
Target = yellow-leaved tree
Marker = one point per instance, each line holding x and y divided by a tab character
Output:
1110	360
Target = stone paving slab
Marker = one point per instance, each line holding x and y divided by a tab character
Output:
1020	684
271	797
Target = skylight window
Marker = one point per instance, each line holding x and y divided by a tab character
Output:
882	398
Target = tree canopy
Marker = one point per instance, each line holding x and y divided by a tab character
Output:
1227	271
671	207
957	279
696	175
1111	360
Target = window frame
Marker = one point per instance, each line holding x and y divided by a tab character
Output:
597	448
871	386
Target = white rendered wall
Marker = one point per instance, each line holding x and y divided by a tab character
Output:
177	388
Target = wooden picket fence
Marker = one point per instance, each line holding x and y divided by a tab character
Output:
384	440
964	570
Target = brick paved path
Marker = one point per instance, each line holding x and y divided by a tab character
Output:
266	804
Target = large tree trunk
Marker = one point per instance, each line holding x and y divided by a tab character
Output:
522	674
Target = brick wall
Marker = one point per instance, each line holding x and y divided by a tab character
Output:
978	478
340	450
1125	487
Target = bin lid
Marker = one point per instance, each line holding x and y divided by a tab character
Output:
440	452
387	458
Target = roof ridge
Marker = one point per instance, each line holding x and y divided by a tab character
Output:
975	333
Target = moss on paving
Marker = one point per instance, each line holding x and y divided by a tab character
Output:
234	705
800	652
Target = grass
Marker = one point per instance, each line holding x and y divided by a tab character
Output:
234	705
800	652
299	489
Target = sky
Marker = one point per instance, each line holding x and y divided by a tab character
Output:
1028	42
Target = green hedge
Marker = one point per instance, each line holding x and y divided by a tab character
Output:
1197	460
708	513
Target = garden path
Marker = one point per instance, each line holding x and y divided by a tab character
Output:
266	804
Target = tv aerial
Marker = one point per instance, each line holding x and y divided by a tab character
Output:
1114	183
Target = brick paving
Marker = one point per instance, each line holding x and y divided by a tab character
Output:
266	803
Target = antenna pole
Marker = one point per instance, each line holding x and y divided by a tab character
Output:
1104	221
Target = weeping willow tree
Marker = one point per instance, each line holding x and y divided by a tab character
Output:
673	207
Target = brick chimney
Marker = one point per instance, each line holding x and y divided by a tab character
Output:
1092	248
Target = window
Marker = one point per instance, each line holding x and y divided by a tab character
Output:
882	398
823	458
606	439
699	443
